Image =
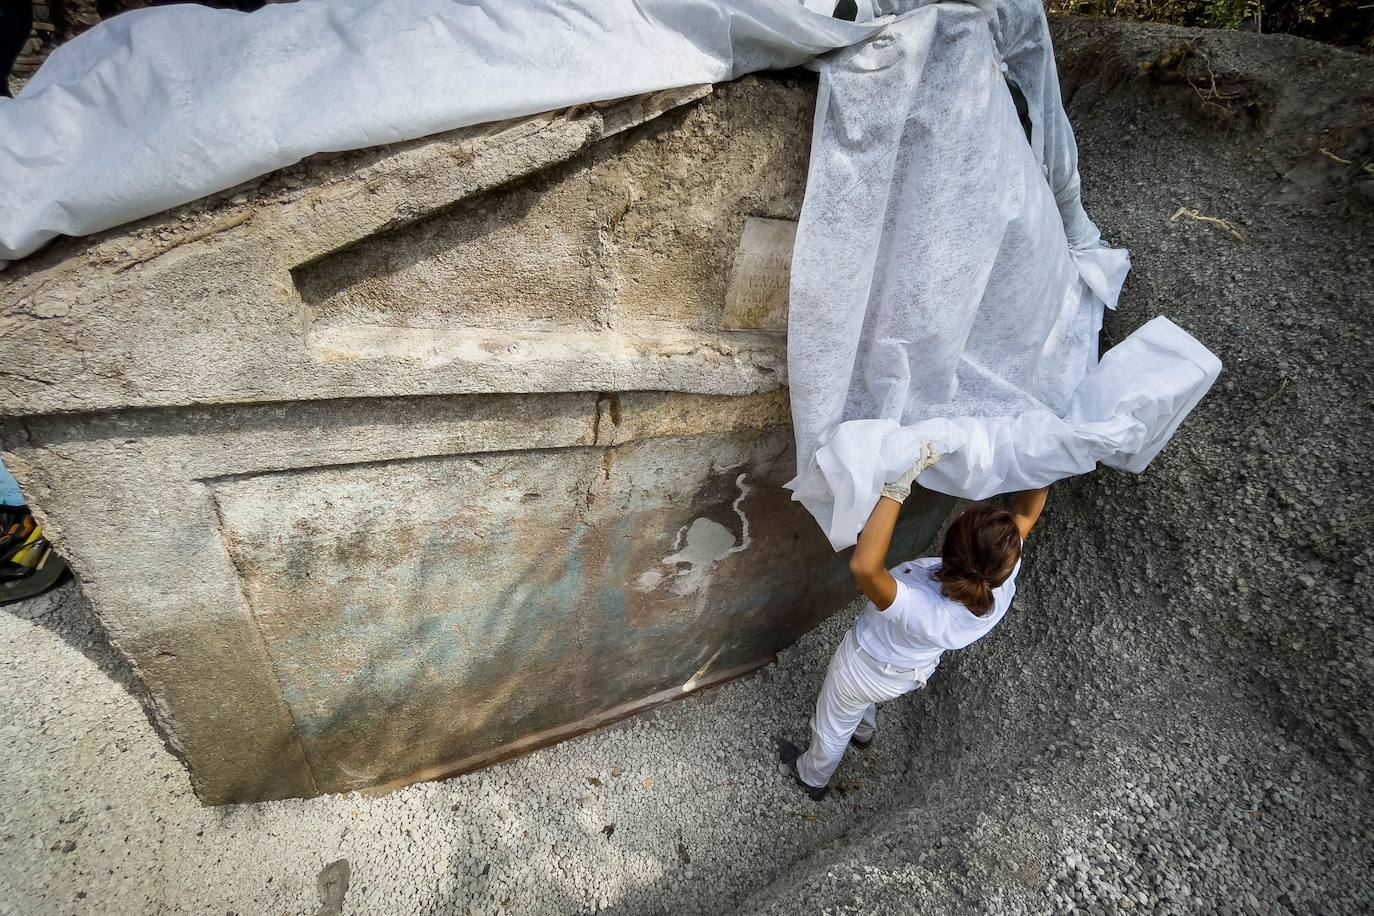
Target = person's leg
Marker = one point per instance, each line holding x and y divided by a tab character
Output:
867	725
839	710
16	22
848	697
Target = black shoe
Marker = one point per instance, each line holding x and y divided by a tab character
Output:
788	754
861	745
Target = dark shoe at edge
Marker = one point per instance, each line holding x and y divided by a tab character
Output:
861	745
788	754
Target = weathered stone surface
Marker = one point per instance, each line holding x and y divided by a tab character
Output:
403	460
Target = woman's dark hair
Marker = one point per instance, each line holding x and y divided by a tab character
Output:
980	550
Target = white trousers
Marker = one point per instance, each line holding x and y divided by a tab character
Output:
854	683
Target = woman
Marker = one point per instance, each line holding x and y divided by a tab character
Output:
916	611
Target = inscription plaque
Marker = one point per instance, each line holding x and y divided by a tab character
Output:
757	296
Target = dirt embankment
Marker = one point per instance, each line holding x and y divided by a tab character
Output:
1175	717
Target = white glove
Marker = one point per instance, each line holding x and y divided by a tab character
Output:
899	489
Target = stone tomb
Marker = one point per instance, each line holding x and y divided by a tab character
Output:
402	461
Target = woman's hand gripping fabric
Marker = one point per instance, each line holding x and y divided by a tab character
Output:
898	490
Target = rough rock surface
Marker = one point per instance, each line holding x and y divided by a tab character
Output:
1174	718
516	489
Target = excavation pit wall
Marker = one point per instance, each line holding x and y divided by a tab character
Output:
400	462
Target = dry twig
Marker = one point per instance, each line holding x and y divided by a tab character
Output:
1189	213
1367	167
213	228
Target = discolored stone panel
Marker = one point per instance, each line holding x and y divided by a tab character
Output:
510	258
422	612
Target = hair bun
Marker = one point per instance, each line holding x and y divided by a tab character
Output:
983	538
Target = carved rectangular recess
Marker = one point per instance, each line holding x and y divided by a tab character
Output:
638	231
424	611
514	257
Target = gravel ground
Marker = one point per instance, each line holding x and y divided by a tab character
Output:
680	810
1174	718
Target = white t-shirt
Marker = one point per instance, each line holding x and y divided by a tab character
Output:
922	623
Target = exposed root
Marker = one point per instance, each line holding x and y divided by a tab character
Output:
1212	95
1189	213
1367	167
1221	98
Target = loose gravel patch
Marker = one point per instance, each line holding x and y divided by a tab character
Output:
1175	717
682	809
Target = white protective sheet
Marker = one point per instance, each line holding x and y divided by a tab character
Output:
947	286
158	107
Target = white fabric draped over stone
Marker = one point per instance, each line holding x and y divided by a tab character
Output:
947	286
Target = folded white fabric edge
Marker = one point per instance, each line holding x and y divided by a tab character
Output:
1122	414
1103	270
